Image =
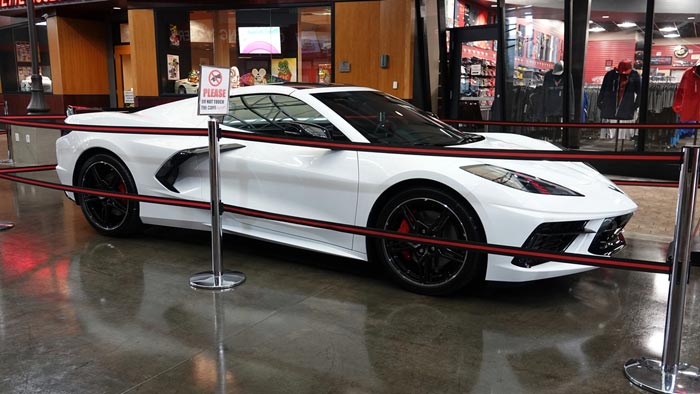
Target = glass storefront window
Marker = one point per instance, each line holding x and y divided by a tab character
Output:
472	40
535	76
260	46
464	13
16	60
675	54
612	74
315	45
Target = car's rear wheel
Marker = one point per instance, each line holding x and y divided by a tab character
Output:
423	268
182	90
108	215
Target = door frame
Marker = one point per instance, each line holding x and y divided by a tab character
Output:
119	51
458	36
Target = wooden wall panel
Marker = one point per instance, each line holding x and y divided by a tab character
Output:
78	53
54	55
143	52
357	42
396	21
364	31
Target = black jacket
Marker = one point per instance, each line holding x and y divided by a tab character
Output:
553	96
607	99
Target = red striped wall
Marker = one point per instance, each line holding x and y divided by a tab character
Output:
600	51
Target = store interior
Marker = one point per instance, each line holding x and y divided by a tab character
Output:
534	77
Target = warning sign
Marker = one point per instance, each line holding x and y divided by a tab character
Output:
213	91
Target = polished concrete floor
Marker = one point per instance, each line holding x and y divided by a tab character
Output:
82	313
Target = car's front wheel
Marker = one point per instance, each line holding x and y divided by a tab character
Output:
424	268
108	215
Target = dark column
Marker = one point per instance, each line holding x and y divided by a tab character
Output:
567	71
37	104
443	91
505	71
421	75
579	43
646	70
576	16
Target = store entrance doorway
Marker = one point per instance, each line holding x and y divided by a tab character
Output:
473	76
123	73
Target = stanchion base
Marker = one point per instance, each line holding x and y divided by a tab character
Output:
648	374
6	226
207	280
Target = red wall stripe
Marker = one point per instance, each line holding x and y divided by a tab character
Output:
600	51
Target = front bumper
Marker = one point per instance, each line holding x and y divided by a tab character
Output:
596	236
556	237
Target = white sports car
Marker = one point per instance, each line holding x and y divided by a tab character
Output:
553	206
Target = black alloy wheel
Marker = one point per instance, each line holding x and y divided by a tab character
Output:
108	215
423	268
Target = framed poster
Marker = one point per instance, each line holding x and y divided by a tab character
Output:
22	73
661	60
173	67
23	52
285	68
324	73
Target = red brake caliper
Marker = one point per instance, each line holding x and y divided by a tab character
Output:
122	189
405	228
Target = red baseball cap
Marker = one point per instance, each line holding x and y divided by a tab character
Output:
625	67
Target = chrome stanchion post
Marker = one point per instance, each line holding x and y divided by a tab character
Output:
8	128
217	278
669	375
3	224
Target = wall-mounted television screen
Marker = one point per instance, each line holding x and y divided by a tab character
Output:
259	40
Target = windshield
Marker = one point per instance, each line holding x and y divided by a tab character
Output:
384	119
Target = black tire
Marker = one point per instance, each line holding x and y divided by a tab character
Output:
181	90
108	215
426	269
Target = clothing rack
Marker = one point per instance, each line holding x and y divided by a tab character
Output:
660	96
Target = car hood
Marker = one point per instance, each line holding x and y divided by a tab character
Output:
577	176
510	141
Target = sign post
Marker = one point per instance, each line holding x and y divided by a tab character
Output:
213	101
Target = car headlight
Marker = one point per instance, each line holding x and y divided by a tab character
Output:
519	181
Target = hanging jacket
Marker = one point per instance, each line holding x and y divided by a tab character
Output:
553	95
608	103
687	99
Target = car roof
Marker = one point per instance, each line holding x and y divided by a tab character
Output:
290	88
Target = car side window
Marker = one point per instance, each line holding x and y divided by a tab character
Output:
279	114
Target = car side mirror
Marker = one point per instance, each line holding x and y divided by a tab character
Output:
429	114
307	130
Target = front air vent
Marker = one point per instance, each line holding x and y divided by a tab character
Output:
552	237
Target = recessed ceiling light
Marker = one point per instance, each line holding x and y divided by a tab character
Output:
672	35
528	13
626	25
691	18
605	16
596	29
116	8
668	28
